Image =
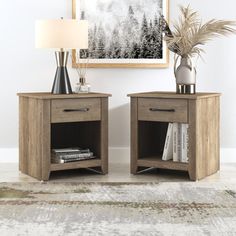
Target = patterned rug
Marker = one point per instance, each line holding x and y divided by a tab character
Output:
117	209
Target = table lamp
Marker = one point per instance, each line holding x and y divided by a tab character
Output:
61	34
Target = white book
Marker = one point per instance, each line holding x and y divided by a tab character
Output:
187	143
179	142
175	142
168	147
184	142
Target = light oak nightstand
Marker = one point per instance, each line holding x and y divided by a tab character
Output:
57	121
150	114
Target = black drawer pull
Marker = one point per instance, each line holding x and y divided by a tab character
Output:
76	110
163	110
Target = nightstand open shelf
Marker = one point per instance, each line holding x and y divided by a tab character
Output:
151	138
150	114
77	134
50	121
151	141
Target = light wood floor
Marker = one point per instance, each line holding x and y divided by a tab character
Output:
118	172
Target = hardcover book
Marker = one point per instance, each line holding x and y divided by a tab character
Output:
184	142
176	142
168	147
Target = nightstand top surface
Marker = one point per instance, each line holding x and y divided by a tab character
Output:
63	96
173	95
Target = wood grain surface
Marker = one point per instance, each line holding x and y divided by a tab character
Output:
148	130
73	110
148	110
44	124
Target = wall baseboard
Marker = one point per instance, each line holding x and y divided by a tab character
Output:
116	154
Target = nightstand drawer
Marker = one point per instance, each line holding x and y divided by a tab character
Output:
167	110
73	110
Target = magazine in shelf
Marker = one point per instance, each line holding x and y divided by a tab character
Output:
66	155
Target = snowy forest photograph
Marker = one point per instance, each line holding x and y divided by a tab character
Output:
124	31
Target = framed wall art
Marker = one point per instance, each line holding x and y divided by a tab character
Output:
123	33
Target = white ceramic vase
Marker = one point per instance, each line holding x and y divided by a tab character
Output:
185	75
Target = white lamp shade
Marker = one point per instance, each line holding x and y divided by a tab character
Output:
62	33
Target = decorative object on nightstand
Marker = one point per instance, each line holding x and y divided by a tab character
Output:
62	34
185	42
50	124
82	86
150	115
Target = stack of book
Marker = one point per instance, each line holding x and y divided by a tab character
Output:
176	143
66	155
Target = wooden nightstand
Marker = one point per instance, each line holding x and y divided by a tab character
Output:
57	121
150	115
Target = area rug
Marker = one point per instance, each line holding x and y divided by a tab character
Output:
117	209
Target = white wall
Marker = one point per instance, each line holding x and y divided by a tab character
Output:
23	68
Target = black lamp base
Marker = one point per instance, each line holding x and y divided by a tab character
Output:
61	84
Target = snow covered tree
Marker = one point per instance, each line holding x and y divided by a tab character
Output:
130	32
157	37
144	27
114	50
101	39
101	52
147	39
93	42
126	53
135	51
156	21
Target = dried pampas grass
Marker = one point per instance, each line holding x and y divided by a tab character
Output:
190	34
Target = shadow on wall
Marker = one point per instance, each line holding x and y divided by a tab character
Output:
119	126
